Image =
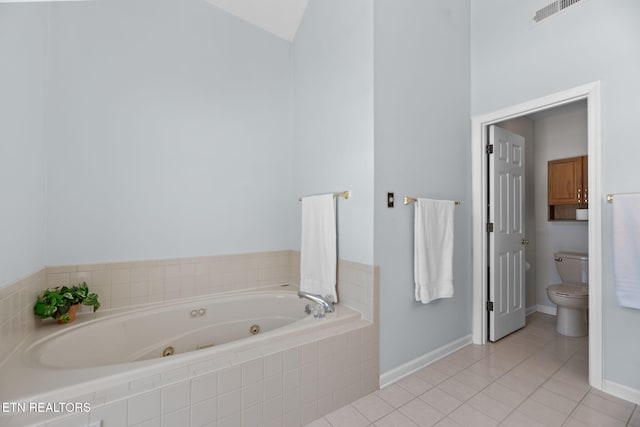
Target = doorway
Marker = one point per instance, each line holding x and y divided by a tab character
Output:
480	125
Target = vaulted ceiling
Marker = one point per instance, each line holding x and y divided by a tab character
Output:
279	17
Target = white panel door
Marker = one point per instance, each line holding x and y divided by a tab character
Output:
507	241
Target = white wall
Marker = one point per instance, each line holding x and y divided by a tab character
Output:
333	117
23	31
523	126
559	135
170	133
422	115
514	60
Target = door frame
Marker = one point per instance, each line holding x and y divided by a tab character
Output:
479	182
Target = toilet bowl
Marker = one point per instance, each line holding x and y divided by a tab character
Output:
571	296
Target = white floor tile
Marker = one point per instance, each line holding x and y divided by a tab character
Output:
562	388
347	416
440	400
414	385
518	419
447	422
504	394
517	384
422	413
490	406
395	395
542	413
455	388
467	415
593	418
554	401
373	407
431	375
617	409
395	419
475	381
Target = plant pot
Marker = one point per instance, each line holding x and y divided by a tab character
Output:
71	313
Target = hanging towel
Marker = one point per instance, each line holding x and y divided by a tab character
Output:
626	249
433	249
318	246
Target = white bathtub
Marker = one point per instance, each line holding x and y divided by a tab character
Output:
184	327
104	350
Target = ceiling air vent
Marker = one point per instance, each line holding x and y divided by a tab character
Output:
553	8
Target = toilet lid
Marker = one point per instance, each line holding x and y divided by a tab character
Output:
570	290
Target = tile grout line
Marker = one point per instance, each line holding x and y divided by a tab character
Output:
635	408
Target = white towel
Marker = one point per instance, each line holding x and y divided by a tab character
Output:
433	249
318	246
626	248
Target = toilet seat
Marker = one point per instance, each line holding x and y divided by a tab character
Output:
569	290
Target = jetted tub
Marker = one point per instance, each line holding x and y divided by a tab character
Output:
106	349
168	330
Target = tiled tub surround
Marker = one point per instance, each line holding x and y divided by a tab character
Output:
16	311
125	284
284	379
357	285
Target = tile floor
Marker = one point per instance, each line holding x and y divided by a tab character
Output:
533	377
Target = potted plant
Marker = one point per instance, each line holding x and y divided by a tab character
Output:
61	302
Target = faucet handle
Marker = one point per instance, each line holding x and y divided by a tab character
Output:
319	314
329	299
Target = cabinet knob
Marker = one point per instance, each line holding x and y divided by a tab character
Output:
525	241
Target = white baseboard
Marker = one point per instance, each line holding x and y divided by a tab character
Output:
396	374
531	310
547	310
621	391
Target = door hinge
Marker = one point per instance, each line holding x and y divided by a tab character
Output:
489	149
489	227
489	305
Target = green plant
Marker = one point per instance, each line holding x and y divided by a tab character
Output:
56	302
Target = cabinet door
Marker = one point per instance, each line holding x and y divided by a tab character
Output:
585	180
565	181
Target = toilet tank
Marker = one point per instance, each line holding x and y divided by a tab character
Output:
573	267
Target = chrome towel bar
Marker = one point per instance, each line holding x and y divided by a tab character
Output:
408	200
343	194
610	197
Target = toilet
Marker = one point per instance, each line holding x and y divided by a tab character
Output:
572	295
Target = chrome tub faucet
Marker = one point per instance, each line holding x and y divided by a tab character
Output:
325	304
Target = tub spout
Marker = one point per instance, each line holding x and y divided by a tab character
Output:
326	303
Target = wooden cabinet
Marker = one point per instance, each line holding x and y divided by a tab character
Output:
568	187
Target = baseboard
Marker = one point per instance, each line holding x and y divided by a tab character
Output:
621	391
531	310
547	310
396	374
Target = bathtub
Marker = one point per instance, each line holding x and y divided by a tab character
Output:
168	330
110	356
